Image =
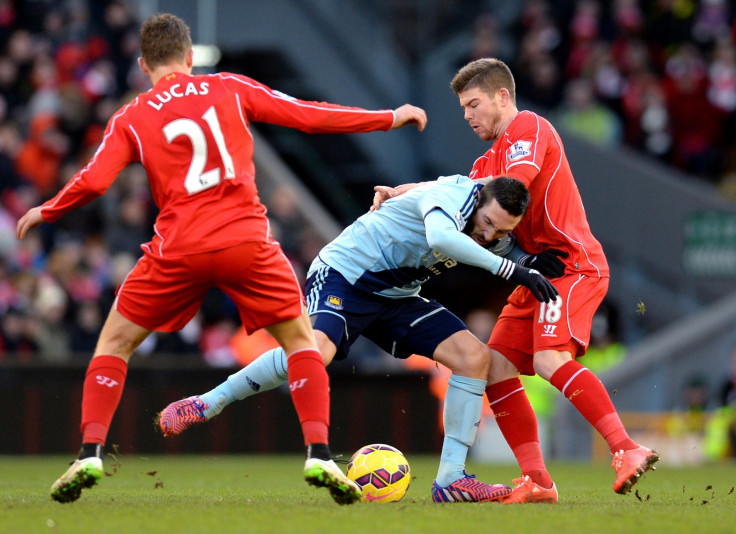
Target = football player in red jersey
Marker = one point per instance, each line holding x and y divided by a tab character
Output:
192	135
532	337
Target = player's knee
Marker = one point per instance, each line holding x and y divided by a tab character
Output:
464	355
547	362
501	369
475	361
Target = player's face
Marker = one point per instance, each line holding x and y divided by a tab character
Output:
490	222
483	112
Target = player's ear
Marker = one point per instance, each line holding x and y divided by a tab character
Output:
477	201
143	66
505	96
189	58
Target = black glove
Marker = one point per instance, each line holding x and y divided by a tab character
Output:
541	288
546	262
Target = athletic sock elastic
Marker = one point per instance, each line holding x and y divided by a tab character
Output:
586	392
91	450
319	450
309	385
266	372
463	407
518	424
103	387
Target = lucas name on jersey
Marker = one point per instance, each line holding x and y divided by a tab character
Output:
176	91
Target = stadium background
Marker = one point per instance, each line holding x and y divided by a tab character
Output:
643	92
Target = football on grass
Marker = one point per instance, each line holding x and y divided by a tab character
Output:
381	471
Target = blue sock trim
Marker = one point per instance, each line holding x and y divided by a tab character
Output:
475	386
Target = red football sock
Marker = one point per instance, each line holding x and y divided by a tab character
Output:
583	389
310	393
103	387
518	423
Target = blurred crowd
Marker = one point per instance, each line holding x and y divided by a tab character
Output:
65	68
655	75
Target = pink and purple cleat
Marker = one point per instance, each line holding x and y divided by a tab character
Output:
180	415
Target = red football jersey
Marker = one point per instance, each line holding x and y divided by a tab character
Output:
191	133
531	150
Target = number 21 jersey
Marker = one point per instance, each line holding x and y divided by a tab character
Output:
192	135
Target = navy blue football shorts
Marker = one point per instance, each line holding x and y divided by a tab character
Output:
400	326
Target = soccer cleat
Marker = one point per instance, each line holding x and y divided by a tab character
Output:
180	415
468	489
326	474
83	473
630	465
527	491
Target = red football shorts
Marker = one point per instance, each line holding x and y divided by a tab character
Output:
527	326
165	293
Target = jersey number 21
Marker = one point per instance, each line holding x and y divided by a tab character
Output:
197	180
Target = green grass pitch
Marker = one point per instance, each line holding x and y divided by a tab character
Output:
266	493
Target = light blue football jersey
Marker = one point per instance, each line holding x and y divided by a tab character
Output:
386	251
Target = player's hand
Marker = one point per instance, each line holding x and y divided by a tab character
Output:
547	262
384	192
31	219
381	195
408	114
541	288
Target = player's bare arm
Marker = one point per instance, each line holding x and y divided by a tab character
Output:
408	114
31	219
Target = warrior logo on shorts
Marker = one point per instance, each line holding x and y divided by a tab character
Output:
334	302
549	330
520	149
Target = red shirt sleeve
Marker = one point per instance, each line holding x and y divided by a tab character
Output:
116	151
263	104
525	148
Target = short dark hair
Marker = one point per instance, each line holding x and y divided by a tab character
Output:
488	74
164	37
511	194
